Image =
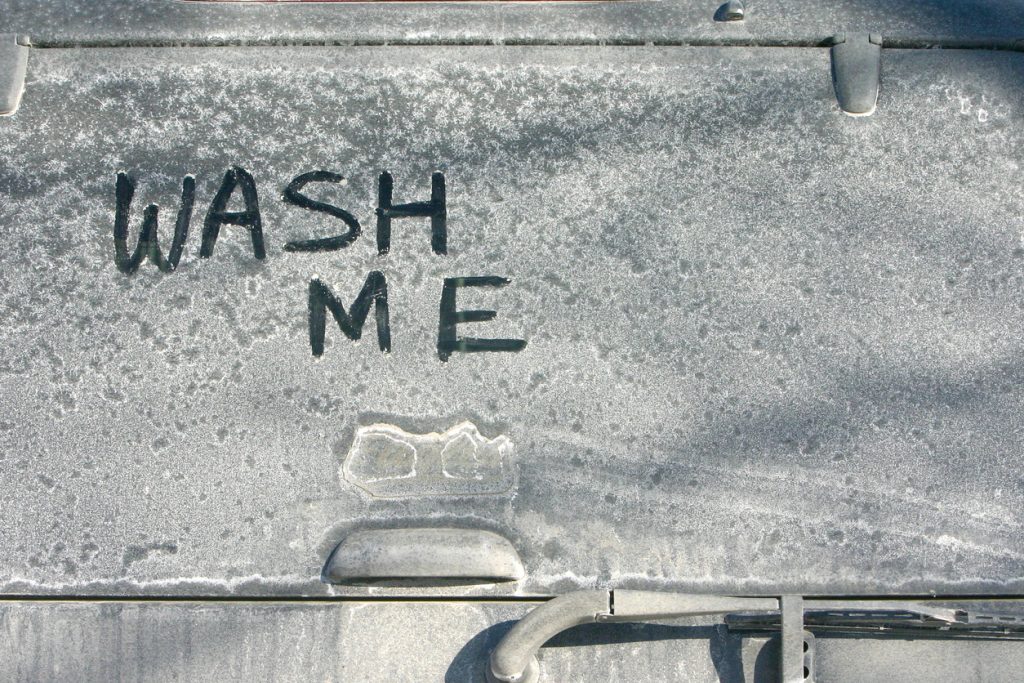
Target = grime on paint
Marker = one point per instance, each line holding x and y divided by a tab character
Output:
374	293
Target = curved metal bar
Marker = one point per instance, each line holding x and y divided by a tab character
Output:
515	658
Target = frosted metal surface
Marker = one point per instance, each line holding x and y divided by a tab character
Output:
769	347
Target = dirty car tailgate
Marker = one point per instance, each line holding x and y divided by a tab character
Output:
749	343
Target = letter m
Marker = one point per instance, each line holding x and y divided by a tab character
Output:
321	300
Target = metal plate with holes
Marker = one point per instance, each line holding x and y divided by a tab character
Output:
768	347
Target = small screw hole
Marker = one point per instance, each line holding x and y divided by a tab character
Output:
807	646
807	673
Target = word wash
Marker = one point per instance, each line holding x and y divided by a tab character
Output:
321	299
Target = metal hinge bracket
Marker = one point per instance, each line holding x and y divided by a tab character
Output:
13	65
856	71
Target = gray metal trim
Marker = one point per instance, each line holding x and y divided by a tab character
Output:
174	22
792	643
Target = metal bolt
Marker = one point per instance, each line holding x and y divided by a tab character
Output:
730	11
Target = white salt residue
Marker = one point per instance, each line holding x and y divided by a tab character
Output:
383	460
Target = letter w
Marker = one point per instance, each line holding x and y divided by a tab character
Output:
148	244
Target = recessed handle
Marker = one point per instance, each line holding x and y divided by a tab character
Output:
423	556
